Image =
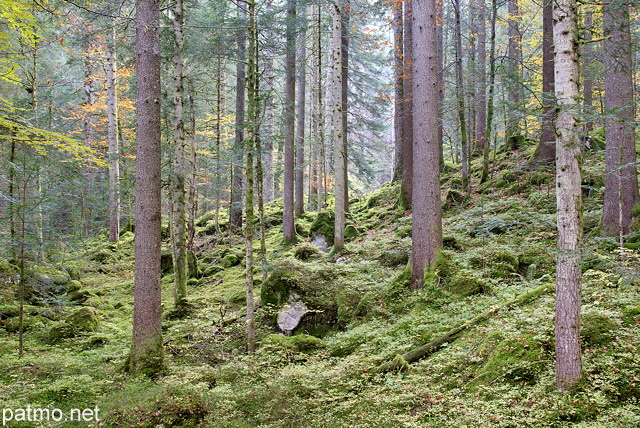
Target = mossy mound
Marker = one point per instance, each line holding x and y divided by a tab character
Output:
466	283
350	232
304	251
596	329
517	360
296	343
230	260
324	225
394	258
84	319
7	269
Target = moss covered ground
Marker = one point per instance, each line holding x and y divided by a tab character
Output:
500	244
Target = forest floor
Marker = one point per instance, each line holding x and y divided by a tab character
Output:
499	244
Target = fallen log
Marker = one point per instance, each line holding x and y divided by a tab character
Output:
401	362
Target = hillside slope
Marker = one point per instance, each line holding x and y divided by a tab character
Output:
499	371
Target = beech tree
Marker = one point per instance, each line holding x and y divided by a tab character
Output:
147	355
426	235
568	196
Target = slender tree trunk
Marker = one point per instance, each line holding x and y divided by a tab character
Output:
220	107
406	192
147	356
252	127
514	91
427	216
301	116
398	36
178	165
547	147
322	172
460	96
268	125
621	180
345	16
588	58
288	224
193	199
568	196
492	82
112	136
338	130
235	210
481	90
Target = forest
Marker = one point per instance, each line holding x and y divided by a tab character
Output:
319	213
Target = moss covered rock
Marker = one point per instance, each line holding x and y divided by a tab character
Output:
296	343
596	329
84	319
350	232
324	225
516	360
465	283
230	260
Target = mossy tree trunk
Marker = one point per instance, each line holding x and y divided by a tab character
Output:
252	128
178	165
147	355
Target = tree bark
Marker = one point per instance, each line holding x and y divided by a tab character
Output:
460	96
492	83
301	116
514	90
112	136
588	59
546	151
406	192
235	209
426	215
568	196
398	135
288	223
345	16
147	356
178	180
481	90
337	125
621	180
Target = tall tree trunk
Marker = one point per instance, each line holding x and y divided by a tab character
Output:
398	113
288	223
147	355
546	151
588	58
568	196
112	136
346	13
235	210
252	128
193	173
301	116
460	95
177	180
492	83
337	125
322	170
406	192
514	90
427	217
440	15
481	90
621	180
220	107
268	122
317	109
